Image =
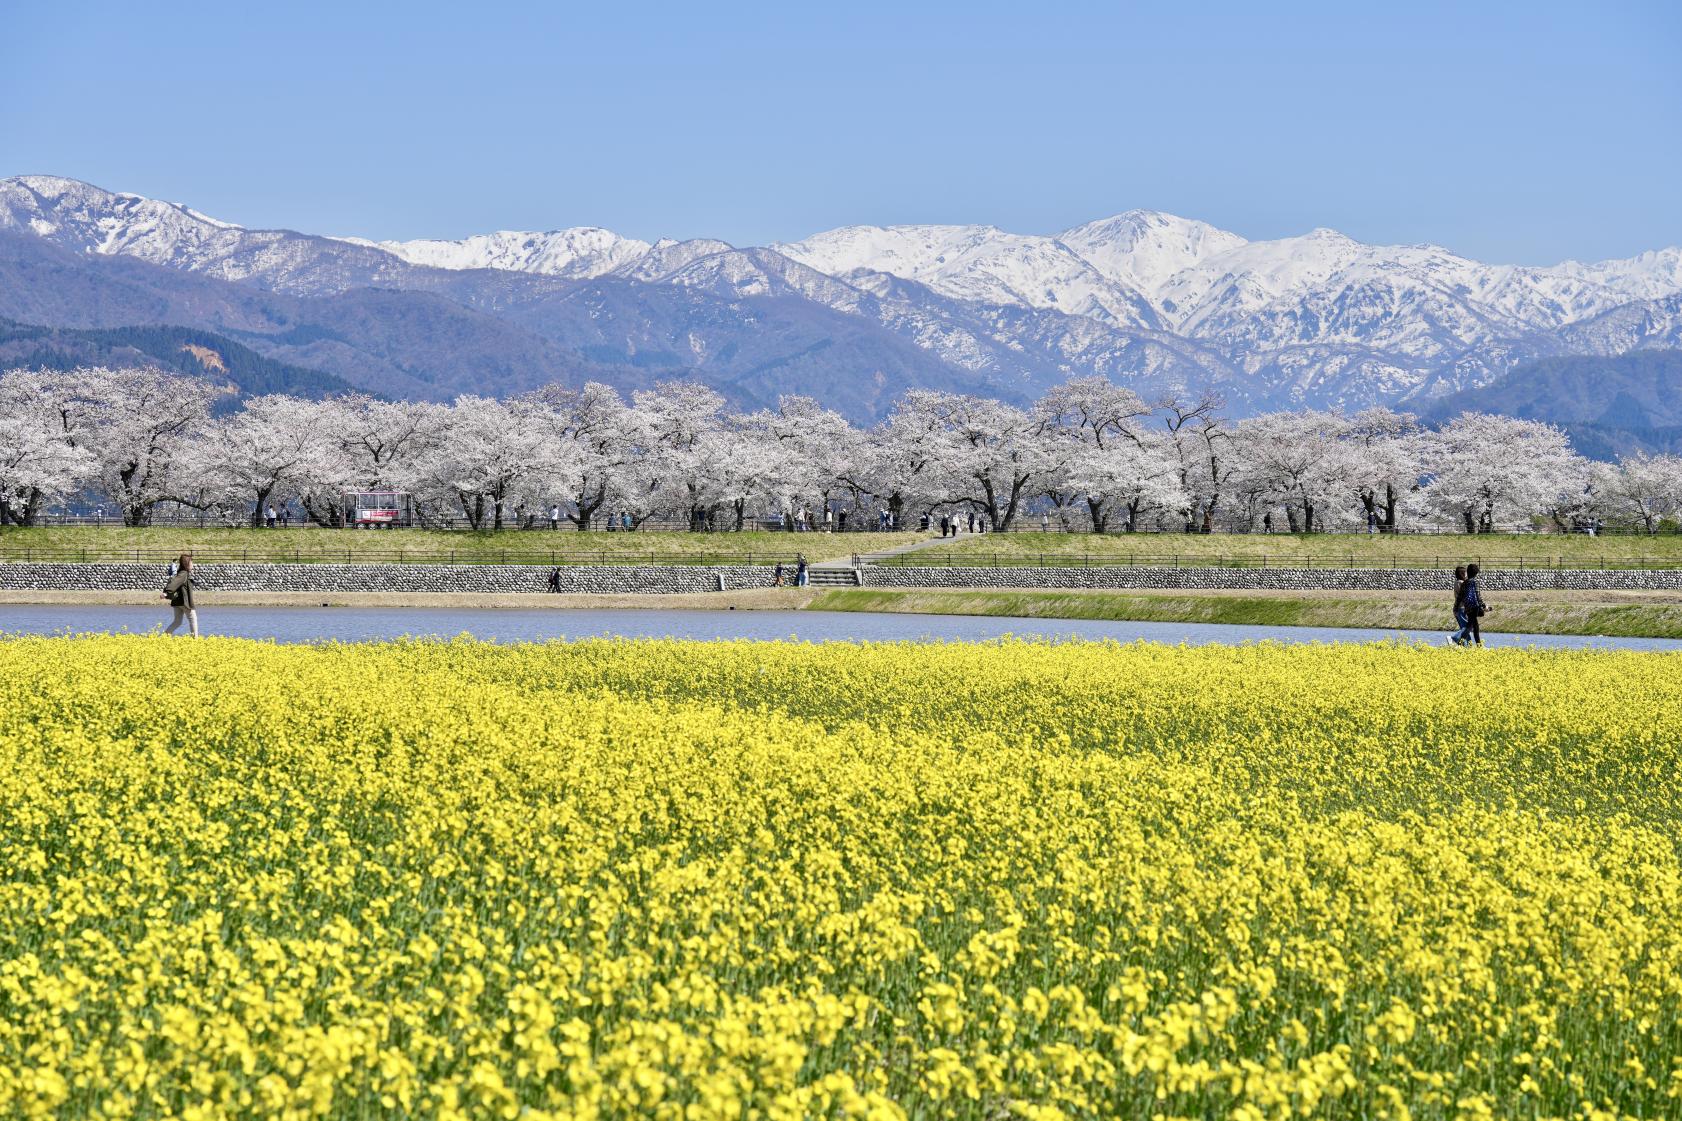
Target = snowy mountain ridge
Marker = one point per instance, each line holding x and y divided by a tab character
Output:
1142	296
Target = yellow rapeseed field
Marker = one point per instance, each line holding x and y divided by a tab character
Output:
682	880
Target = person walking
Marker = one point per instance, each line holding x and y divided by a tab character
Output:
269	516
179	593
1475	606
1267	522
1462	629
800	570
555	580
555	517
777	577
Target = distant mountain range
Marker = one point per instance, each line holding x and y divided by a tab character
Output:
853	316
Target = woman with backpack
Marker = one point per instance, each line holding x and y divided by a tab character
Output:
179	592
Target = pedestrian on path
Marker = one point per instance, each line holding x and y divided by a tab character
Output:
777	577
800	570
179	593
1476	609
1462	629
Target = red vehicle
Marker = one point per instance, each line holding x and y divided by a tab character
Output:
377	509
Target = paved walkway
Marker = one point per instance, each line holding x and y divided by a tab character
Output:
898	550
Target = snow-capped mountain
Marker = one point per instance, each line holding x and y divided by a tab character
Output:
981	264
1144	297
584	251
1144	249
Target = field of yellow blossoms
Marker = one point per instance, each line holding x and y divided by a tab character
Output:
684	880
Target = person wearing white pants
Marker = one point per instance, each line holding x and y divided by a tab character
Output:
179	592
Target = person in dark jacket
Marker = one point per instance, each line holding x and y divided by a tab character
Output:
1475	606
179	592
1462	629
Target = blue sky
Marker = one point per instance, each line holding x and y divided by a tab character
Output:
1511	132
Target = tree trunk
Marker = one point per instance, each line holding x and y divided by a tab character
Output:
1100	516
588	504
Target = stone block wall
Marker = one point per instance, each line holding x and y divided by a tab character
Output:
657	580
1124	577
473	578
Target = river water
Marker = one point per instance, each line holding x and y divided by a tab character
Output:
355	624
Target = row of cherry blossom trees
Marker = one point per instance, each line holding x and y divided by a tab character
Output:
1089	454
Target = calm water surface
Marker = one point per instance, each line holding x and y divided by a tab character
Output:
353	624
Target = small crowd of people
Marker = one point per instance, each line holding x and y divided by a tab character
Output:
952	524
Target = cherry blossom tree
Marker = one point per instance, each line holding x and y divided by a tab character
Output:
682	420
486	454
1201	440
145	420
1295	459
596	438
1645	487
1385	466
272	448
988	450
1102	455
45	418
1486	468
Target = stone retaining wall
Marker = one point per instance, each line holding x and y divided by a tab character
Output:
492	578
1270	579
387	578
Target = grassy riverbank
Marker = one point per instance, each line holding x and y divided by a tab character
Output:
421	546
1626	614
1319	550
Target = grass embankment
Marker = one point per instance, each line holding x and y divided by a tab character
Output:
422	546
1319	550
1624	614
